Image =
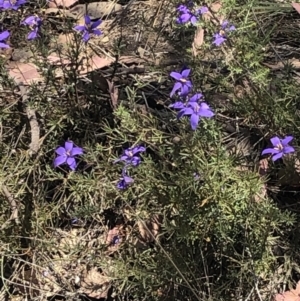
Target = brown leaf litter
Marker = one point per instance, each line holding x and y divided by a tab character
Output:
28	73
150	228
296	6
292	295
94	284
66	271
95	10
61	3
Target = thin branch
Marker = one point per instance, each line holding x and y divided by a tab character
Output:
13	206
34	146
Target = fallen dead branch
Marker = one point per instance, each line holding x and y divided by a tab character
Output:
13	206
34	125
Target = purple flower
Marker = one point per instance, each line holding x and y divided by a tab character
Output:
89	28
3	36
227	27
34	22
196	111
66	155
202	10
182	8
280	147
130	156
219	39
182	83
186	16
189	14
11	4
125	180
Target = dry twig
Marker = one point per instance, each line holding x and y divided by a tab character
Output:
13	206
34	125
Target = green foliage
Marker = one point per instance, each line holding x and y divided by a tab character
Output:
218	232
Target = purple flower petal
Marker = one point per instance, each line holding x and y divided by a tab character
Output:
185	89
4	35
6	5
71	162
288	149
205	111
97	32
138	149
277	156
196	97
76	151
124	182
32	34
125	157
194	121
79	27
219	39
177	105
182	8
128	153
287	140
176	87
194	20
179	21
184	18
69	146
203	10
60	160
187	111
224	24
135	161
128	179
3	45
87	20
176	75
29	20
270	151
121	185
189	84
86	36
275	141
185	73
21	2
96	24
61	151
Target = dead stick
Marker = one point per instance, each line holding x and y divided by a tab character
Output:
13	206
34	146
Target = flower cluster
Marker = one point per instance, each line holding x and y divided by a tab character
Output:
130	157
221	36
66	155
34	23
192	106
280	147
188	14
